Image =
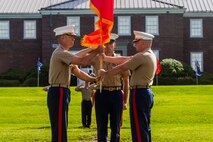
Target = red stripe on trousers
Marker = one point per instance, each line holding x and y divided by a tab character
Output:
135	114
61	97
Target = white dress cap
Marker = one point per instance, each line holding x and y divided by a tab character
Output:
113	36
69	29
142	35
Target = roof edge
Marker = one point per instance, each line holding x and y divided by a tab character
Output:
20	16
116	11
198	14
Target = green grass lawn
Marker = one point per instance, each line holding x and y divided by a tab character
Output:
180	114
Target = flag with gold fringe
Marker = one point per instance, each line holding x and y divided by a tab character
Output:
104	10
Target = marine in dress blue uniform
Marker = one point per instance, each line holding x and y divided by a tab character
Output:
59	79
143	66
109	103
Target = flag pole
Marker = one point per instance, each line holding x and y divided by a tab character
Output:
100	57
196	79
38	78
37	73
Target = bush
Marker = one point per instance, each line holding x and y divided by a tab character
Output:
17	77
178	73
205	79
33	74
10	83
44	75
73	80
167	81
14	75
171	68
188	71
186	81
30	82
173	73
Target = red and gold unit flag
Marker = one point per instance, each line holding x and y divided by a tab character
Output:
104	10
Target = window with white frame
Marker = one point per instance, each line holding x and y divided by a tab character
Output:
30	29
4	30
72	20
156	52
124	25
196	28
152	25
196	57
95	20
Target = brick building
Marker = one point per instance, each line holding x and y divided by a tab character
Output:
183	28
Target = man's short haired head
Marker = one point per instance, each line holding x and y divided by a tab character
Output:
142	35
65	30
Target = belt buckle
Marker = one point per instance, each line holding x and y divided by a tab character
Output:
111	89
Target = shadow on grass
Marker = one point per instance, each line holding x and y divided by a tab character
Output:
44	127
81	127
